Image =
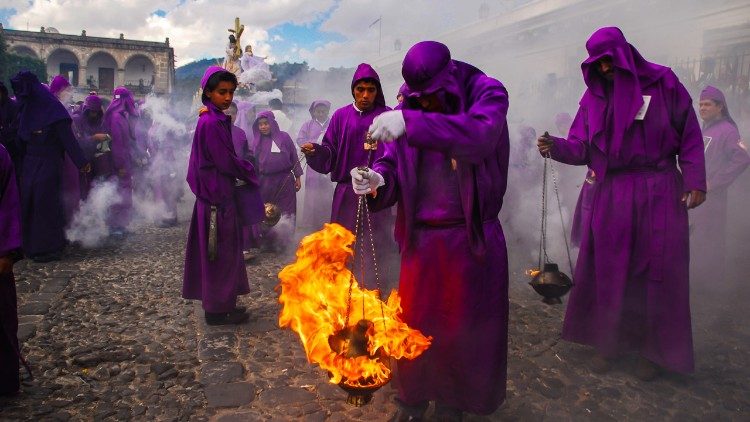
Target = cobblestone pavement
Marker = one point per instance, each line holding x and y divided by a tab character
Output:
110	338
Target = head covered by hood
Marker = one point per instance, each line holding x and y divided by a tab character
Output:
365	71
242	121
204	81
268	114
316	103
37	107
631	74
715	95
58	84
92	102
122	101
429	69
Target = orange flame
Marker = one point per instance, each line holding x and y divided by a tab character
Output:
314	296
532	272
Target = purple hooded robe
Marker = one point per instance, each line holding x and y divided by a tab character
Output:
454	266
9	127
342	149
212	172
71	183
316	208
278	165
45	136
120	120
631	278
10	245
726	159
85	130
58	84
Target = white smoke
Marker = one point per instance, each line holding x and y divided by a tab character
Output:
89	226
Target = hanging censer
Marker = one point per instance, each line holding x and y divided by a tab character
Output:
272	211
547	279
352	341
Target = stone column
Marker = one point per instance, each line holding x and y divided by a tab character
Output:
120	78
82	77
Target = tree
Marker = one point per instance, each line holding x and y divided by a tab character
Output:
10	64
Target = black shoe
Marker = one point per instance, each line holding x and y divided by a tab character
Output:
239	309
48	257
226	318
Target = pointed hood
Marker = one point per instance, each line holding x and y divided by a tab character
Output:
365	71
37	107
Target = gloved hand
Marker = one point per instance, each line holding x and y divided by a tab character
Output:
366	181
388	126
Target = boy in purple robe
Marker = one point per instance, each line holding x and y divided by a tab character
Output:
214	269
726	159
634	125
10	252
88	126
120	120
316	208
447	172
45	136
341	149
280	177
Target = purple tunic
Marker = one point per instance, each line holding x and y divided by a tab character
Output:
631	277
316	208
212	172
164	168
119	120
45	134
342	149
454	274
10	244
726	159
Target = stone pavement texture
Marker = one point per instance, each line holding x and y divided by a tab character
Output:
109	338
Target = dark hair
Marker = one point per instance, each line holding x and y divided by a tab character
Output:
368	80
216	78
275	104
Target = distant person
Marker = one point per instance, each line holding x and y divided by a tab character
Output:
726	159
285	123
94	140
635	124
214	269
316	208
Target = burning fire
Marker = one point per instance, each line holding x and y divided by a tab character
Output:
532	273
314	296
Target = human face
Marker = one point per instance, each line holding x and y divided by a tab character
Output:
430	103
606	68
364	95
320	113
710	110
264	127
222	96
93	116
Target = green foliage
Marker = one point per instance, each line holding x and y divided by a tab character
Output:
10	64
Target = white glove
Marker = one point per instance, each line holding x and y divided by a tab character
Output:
366	181
388	126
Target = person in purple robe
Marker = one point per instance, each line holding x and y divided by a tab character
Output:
634	126
447	173
250	234
342	148
10	252
45	136
280	177
62	89
214	269
71	177
245	116
9	128
88	126
726	159
120	121
316	208
163	143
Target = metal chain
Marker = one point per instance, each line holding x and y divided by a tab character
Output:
543	230
562	222
288	178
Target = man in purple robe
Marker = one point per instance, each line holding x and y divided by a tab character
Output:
341	149
250	237
214	269
88	126
726	159
316	208
71	183
120	120
280	177
447	172
9	127
45	135
634	125
10	252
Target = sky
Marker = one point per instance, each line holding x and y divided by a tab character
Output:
325	33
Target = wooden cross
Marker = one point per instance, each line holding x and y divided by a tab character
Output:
237	31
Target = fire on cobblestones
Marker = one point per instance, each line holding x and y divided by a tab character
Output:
319	293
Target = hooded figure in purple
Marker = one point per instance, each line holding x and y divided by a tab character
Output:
71	183
635	124
447	174
10	252
45	136
726	159
9	127
120	120
316	208
280	175
341	149
88	126
214	268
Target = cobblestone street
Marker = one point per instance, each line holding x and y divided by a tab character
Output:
109	338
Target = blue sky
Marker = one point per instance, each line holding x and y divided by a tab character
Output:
286	38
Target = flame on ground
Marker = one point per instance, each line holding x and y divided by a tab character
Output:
314	292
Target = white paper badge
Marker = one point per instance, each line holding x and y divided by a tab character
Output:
274	147
706	142
642	112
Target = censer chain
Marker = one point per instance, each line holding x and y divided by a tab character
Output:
562	222
288	178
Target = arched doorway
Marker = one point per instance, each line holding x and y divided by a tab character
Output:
140	74
63	62
22	50
101	69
